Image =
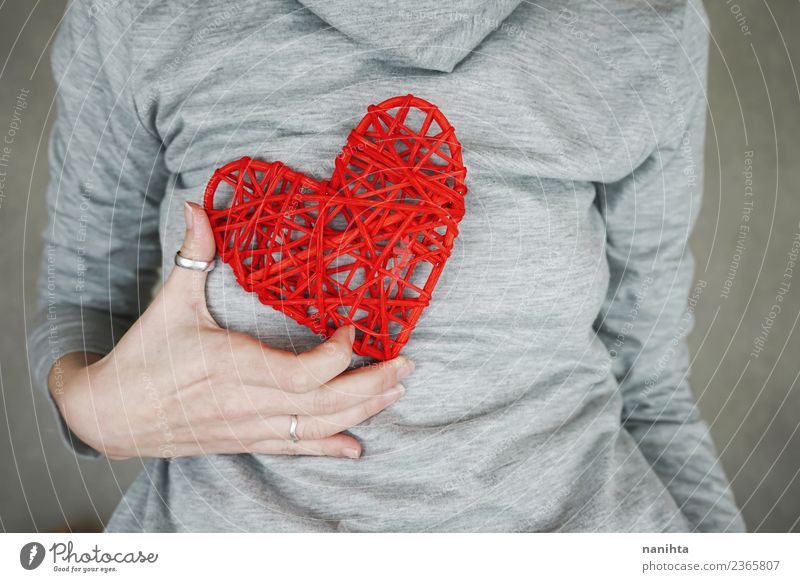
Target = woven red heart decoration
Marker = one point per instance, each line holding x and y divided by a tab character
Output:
366	246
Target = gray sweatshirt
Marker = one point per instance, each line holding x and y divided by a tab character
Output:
550	392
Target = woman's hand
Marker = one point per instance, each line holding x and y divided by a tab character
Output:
177	384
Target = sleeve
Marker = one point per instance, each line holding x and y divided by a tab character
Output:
646	316
107	177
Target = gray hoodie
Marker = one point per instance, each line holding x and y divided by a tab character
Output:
550	392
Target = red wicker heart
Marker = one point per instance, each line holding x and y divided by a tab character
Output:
366	246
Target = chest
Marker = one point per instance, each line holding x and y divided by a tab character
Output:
540	115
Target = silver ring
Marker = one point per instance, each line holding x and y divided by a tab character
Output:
184	263
293	429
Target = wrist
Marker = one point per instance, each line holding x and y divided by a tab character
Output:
67	382
60	379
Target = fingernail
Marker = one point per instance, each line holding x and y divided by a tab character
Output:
405	367
352	333
394	394
188	216
352	453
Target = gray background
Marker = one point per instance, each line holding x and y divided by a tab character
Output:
751	402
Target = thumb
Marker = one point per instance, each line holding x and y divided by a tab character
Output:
187	286
198	241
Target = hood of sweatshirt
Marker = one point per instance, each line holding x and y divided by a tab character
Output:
428	35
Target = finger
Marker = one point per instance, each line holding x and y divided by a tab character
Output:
267	428
235	401
320	427
339	445
309	370
258	364
238	401
187	286
349	389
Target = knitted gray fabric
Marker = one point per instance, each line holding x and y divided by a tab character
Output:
550	391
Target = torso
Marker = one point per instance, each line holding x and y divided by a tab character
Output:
511	420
